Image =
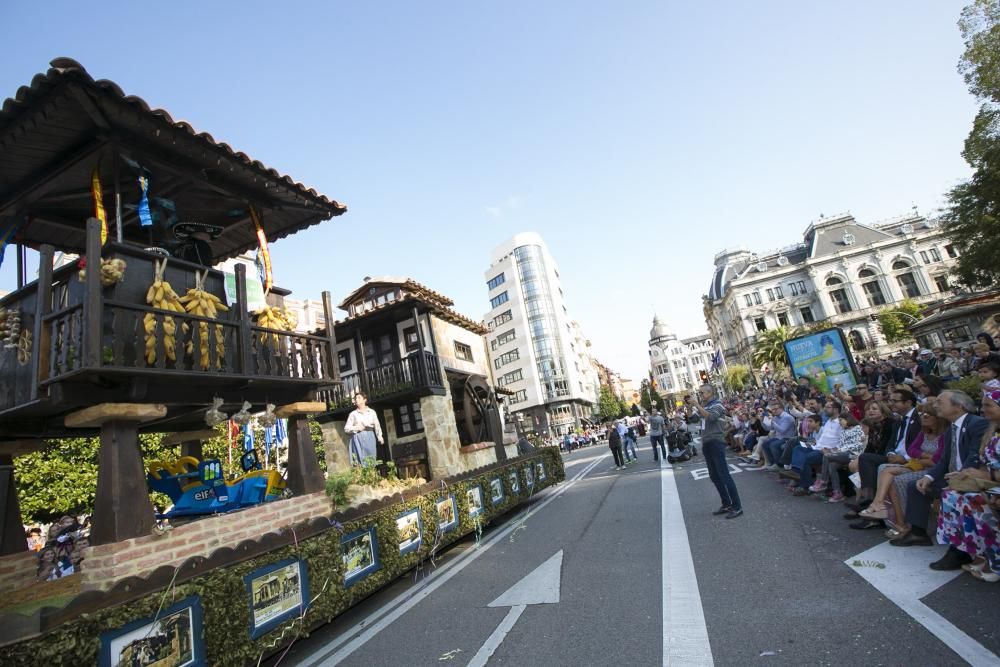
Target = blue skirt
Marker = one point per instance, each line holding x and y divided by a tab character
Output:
362	447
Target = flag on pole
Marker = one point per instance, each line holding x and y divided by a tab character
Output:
263	259
247	438
97	194
717	361
7	233
145	218
268	440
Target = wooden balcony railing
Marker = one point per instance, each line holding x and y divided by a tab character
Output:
414	373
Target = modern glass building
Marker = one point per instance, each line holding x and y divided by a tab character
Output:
538	352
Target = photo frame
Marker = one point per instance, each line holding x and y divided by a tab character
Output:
529	476
447	512
360	554
410	527
496	490
175	636
475	497
540	471
276	593
515	481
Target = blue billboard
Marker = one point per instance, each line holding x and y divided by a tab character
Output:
824	358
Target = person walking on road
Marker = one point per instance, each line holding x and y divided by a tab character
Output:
713	446
657	426
615	443
628	444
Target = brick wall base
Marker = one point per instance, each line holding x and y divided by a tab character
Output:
18	570
105	564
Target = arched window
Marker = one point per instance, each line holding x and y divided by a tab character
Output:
838	295
871	287
905	278
857	340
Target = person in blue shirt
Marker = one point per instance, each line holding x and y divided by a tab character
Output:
783	428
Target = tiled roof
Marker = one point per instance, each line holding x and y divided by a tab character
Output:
65	108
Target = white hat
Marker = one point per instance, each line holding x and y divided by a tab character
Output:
924	351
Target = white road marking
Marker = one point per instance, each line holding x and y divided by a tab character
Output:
363	631
685	635
702	473
540	586
906	579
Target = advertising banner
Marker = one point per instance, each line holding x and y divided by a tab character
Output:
824	358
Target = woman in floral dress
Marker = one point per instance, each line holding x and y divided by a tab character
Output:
966	520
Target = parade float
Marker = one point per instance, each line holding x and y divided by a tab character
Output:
131	327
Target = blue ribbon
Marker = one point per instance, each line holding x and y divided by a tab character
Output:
145	218
7	233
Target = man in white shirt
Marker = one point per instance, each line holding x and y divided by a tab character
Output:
828	437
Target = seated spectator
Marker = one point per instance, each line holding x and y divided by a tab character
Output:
782	429
962	444
923	453
926	364
949	367
888	440
982	353
927	386
35	539
803	457
967	522
852	441
988	373
987	340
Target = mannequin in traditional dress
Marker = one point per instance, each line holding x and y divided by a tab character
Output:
365	431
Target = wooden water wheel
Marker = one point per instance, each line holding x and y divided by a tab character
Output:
482	415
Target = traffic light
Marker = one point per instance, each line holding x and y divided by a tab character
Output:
703	375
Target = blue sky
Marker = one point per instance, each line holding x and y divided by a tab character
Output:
639	138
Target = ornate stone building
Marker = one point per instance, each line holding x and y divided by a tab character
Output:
677	364
842	274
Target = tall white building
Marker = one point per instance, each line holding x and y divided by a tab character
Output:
536	349
677	364
842	274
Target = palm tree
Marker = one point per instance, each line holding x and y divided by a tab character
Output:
769	348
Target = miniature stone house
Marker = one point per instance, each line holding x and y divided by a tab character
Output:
425	370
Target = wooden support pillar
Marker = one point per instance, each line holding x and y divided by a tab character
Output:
12	539
122	509
304	475
193	448
191	442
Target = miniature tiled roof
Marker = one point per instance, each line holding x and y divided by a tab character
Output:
64	124
412	291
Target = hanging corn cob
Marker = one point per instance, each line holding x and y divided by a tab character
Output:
199	302
161	295
274	317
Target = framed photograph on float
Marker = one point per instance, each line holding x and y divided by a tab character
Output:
276	592
540	471
529	476
447	512
515	482
475	496
496	490
173	637
360	553
410	528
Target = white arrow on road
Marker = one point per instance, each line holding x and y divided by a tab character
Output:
541	586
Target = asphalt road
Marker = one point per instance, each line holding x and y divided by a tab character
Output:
772	586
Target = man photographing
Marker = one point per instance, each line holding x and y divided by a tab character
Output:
713	445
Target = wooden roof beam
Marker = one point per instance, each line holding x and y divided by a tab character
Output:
35	185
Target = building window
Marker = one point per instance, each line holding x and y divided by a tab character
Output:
783	319
952	252
408	419
807	315
411	339
871	288
794	288
942	283
508	378
502	339
908	283
463	351
760	324
519	396
802	286
495	282
770	294
344	361
499	299
756	298
924	257
958	334
838	295
748	299
502	318
935	255
778	293
506	358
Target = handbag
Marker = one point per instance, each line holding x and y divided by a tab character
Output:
970	484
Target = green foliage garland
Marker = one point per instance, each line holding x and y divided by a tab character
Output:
223	592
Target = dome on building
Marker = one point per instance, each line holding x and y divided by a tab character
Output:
660	330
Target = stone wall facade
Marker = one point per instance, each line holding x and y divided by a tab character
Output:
105	564
336	445
443	443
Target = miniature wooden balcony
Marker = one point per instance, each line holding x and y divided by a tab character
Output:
416	375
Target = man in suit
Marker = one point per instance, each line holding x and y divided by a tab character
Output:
906	427
961	450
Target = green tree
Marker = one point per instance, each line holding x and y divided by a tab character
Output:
972	215
736	377
609	404
896	321
769	348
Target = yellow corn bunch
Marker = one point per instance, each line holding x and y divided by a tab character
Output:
161	295
205	304
273	317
